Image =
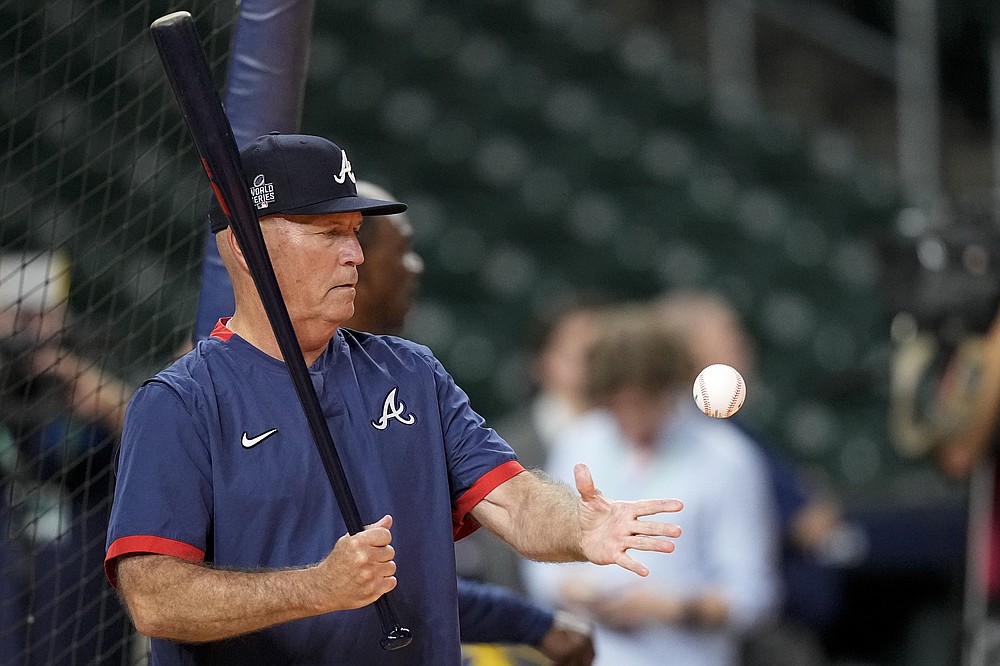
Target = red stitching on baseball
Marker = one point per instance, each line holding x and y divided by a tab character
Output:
706	403
736	395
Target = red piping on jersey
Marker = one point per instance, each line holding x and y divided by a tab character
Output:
146	543
220	331
462	523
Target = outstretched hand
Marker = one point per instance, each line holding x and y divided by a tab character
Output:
610	528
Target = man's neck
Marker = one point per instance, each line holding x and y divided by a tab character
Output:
361	322
257	331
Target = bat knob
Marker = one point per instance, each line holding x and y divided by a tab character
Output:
398	638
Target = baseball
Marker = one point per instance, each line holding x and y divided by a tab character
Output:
719	391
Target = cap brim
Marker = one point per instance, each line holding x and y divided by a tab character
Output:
363	205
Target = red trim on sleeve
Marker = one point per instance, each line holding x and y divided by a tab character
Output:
145	543
462	523
220	331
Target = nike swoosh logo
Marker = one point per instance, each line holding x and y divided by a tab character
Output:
250	442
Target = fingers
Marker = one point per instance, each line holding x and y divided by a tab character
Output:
377	534
361	567
626	561
584	482
378	538
645	543
650	507
651	528
387	569
377	583
650	544
388	585
385	522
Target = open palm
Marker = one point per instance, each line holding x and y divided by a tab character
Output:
609	528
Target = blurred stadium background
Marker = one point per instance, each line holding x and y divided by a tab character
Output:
764	148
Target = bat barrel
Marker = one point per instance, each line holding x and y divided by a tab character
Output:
170	19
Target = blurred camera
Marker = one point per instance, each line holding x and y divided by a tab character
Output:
946	276
942	280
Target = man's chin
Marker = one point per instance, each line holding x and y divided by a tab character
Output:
341	312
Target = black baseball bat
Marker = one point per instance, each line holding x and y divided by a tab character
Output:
187	69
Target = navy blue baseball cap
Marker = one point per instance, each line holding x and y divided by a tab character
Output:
299	174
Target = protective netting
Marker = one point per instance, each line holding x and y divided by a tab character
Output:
544	147
102	208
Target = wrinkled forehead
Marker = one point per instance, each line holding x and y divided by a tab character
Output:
320	221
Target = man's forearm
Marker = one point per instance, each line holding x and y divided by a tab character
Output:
542	523
545	520
178	600
171	598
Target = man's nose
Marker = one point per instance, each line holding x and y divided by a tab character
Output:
353	254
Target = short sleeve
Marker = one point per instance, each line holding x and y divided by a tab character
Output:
479	459
163	489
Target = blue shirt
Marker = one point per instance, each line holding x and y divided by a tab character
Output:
199	480
729	541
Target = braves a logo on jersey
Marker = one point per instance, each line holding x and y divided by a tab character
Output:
391	409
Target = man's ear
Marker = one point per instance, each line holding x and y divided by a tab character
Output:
234	248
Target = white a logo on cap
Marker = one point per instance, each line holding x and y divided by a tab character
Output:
345	169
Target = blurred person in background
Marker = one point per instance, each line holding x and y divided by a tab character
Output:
809	519
60	418
943	287
645	434
557	371
965	449
535	428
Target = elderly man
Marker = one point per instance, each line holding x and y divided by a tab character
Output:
225	538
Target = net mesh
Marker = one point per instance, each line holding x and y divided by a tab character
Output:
543	148
100	245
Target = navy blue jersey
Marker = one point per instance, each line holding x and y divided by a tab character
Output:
218	465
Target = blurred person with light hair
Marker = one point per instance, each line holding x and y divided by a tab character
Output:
558	374
644	433
810	519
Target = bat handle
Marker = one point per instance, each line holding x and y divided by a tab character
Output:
394	636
